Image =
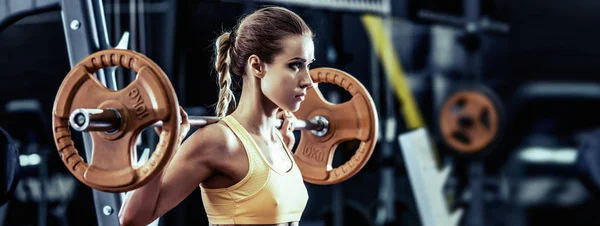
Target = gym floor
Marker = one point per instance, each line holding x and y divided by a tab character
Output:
529	66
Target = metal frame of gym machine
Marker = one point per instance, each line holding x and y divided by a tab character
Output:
85	32
426	180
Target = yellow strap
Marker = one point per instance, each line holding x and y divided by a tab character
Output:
384	48
393	69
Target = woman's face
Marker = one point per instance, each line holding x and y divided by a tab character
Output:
286	79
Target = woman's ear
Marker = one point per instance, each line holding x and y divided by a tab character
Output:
256	66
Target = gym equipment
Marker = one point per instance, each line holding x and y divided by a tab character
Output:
541	95
426	180
484	23
28	124
85	32
107	120
472	24
80	89
453	125
25	9
371	6
471	120
396	84
9	157
122	115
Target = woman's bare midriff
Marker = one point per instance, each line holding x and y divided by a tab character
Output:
282	224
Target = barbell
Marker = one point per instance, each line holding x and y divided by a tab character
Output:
109	120
115	118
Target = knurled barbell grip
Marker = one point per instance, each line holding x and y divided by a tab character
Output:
107	120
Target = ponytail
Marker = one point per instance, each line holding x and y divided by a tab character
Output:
222	65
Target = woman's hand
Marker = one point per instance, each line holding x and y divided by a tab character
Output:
287	128
184	126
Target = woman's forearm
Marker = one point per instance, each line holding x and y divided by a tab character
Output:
139	205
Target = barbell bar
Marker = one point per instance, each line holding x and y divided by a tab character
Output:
109	120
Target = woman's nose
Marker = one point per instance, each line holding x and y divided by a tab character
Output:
306	82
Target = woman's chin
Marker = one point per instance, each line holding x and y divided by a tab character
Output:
292	108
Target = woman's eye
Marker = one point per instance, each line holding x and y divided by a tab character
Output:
295	66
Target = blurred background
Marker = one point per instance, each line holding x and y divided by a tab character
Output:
535	62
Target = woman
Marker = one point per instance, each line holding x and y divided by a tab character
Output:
243	164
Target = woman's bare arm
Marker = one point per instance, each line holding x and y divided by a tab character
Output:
194	161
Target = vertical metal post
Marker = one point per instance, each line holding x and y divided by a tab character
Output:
338	205
387	195
100	22
85	33
476	211
476	170
3	211
168	51
116	8
43	171
473	29
337	46
103	42
375	83
133	30
140	13
471	8
391	130
375	94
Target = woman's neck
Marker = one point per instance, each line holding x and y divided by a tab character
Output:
255	111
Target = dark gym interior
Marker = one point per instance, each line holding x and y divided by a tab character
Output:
536	62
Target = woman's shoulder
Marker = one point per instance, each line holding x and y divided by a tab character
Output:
216	140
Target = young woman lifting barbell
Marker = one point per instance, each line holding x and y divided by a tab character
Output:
241	161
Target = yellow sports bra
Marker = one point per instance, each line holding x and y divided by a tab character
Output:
263	196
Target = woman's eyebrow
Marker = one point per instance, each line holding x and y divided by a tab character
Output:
298	58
